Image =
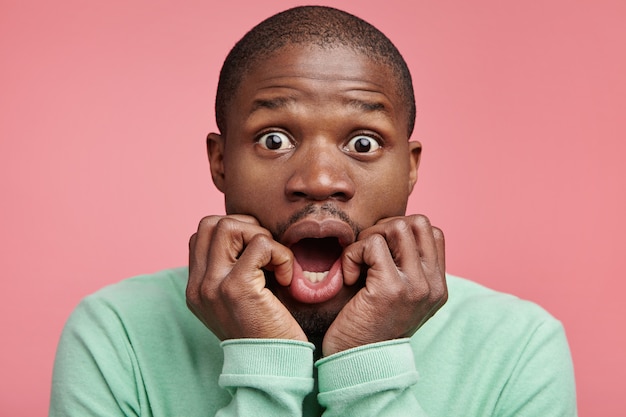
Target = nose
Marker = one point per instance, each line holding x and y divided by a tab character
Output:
319	173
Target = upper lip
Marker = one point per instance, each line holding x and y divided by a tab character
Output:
317	229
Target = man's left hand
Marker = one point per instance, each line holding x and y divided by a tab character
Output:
405	284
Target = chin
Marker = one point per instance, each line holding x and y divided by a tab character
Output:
315	319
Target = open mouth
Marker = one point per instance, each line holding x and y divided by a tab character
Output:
317	243
317	256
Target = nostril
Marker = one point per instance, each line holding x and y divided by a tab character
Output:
339	196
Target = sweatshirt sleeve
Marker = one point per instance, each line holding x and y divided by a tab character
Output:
371	380
266	377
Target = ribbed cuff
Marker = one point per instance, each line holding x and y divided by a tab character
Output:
364	364
269	357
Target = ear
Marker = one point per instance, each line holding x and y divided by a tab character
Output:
215	151
415	152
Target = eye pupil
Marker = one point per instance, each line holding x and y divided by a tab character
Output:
362	145
273	141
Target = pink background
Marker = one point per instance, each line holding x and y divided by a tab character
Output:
104	107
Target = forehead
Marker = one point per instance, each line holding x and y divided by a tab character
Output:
323	72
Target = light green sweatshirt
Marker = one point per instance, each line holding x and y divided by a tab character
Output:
134	349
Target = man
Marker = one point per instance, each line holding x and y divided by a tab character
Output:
319	294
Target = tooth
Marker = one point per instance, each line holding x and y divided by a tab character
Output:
315	277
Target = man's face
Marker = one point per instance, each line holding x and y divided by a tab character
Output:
316	150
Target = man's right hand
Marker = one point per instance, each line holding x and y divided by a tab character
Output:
226	288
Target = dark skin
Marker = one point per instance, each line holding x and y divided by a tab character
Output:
317	131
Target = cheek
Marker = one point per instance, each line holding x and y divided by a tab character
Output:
386	193
390	201
250	190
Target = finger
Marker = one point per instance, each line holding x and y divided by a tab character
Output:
207	224
430	241
199	243
263	252
352	263
436	277
400	239
423	231
198	249
371	252
229	237
424	235
280	263
199	246
426	242
441	248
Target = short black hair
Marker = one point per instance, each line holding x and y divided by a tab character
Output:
316	25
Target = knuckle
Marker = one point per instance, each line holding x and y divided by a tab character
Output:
399	227
396	289
228	291
203	291
419	293
439	293
438	233
226	224
208	222
443	298
192	295
420	289
421	221
224	291
229	228
377	240
259	246
260	240
192	241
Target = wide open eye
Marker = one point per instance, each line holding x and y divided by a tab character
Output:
275	141
362	144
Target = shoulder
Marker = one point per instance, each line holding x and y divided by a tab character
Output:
144	304
160	286
513	343
507	348
475	314
145	316
478	301
149	293
134	338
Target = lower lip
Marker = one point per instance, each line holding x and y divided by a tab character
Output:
305	291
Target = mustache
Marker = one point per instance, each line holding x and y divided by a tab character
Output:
328	209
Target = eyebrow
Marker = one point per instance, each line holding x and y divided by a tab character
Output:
271	103
368	106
